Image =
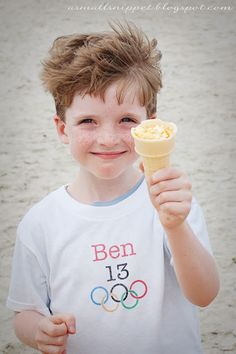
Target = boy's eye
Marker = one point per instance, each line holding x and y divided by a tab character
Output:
128	120
86	121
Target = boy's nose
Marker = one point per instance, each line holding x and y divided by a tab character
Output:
108	138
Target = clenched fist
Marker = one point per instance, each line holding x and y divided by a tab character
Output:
170	193
51	336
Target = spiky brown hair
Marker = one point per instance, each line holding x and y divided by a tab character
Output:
90	63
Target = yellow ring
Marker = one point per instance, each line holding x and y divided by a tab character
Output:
110	309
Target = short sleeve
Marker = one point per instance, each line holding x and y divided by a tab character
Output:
28	286
197	223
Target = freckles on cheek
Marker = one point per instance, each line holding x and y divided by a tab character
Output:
129	140
83	139
131	144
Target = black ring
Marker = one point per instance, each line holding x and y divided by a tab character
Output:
126	289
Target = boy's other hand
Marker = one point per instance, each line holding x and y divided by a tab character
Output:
51	336
170	193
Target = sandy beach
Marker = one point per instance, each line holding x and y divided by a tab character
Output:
198	64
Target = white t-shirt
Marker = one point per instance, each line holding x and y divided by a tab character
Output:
110	266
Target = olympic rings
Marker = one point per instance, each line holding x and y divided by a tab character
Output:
109	309
126	306
126	291
145	291
115	298
106	296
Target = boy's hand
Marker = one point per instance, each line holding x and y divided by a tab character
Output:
51	336
170	193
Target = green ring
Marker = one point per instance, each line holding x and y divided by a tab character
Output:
129	307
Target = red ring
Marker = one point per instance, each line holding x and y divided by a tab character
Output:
145	292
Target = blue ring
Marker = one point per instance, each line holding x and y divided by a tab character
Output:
91	295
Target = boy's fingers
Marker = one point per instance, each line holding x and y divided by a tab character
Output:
67	319
50	338
53	330
164	186
50	349
164	174
70	323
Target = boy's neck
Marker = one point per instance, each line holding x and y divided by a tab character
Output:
88	189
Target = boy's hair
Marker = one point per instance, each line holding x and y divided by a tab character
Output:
90	63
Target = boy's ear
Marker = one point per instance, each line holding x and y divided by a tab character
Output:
61	129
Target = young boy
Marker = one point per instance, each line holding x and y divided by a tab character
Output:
110	263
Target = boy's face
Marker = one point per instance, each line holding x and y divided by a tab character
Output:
98	132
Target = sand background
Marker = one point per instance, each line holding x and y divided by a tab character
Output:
199	95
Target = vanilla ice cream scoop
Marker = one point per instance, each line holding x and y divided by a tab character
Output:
154	129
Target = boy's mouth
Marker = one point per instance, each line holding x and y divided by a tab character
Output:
108	154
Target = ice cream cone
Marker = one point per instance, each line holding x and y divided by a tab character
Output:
155	153
152	164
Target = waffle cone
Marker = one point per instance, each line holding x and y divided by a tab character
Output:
155	153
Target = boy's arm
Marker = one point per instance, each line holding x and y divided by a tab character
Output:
194	266
46	334
26	326
170	193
